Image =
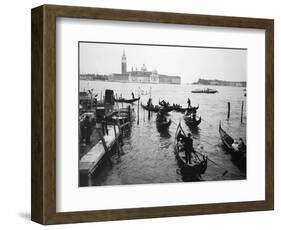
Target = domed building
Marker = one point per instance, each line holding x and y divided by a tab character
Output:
142	76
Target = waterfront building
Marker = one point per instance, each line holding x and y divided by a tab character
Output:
142	76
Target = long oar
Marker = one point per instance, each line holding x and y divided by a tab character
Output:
224	173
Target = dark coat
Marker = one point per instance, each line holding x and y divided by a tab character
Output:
188	144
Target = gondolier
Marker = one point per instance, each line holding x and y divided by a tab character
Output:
183	148
194	116
187	145
189	103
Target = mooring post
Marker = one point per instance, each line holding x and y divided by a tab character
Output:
148	104
242	111
116	138
115	133
228	110
129	113
138	112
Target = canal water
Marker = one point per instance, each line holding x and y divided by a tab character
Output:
147	155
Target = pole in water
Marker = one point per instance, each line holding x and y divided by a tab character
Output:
149	107
129	113
228	110
138	112
242	111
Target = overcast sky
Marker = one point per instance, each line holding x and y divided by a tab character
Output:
190	63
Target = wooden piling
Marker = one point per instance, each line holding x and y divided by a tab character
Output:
228	110
115	133
149	103
117	141
138	112
242	111
129	113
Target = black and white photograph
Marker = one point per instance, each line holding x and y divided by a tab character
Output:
157	113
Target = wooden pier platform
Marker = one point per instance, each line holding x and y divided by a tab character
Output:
91	160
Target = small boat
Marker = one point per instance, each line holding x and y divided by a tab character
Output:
156	108
123	100
177	107
198	163
151	108
192	109
166	105
207	90
192	123
228	141
163	124
180	109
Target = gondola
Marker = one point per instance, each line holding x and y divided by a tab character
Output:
228	143
192	109
151	108
166	106
156	108
161	121
198	164
161	125
166	109
190	122
123	100
178	108
164	103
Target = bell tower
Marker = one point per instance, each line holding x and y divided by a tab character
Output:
124	63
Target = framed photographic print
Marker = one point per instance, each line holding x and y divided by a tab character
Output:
141	114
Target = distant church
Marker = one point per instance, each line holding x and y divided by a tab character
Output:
142	75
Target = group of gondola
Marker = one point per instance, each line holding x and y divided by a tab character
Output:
190	112
197	166
165	106
197	163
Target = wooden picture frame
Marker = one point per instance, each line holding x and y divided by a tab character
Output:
43	202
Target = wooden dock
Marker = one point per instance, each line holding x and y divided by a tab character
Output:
91	160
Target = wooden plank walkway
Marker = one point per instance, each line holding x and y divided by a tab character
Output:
90	161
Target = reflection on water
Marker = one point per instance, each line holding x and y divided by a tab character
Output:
147	154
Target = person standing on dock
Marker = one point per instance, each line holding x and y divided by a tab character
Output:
88	130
